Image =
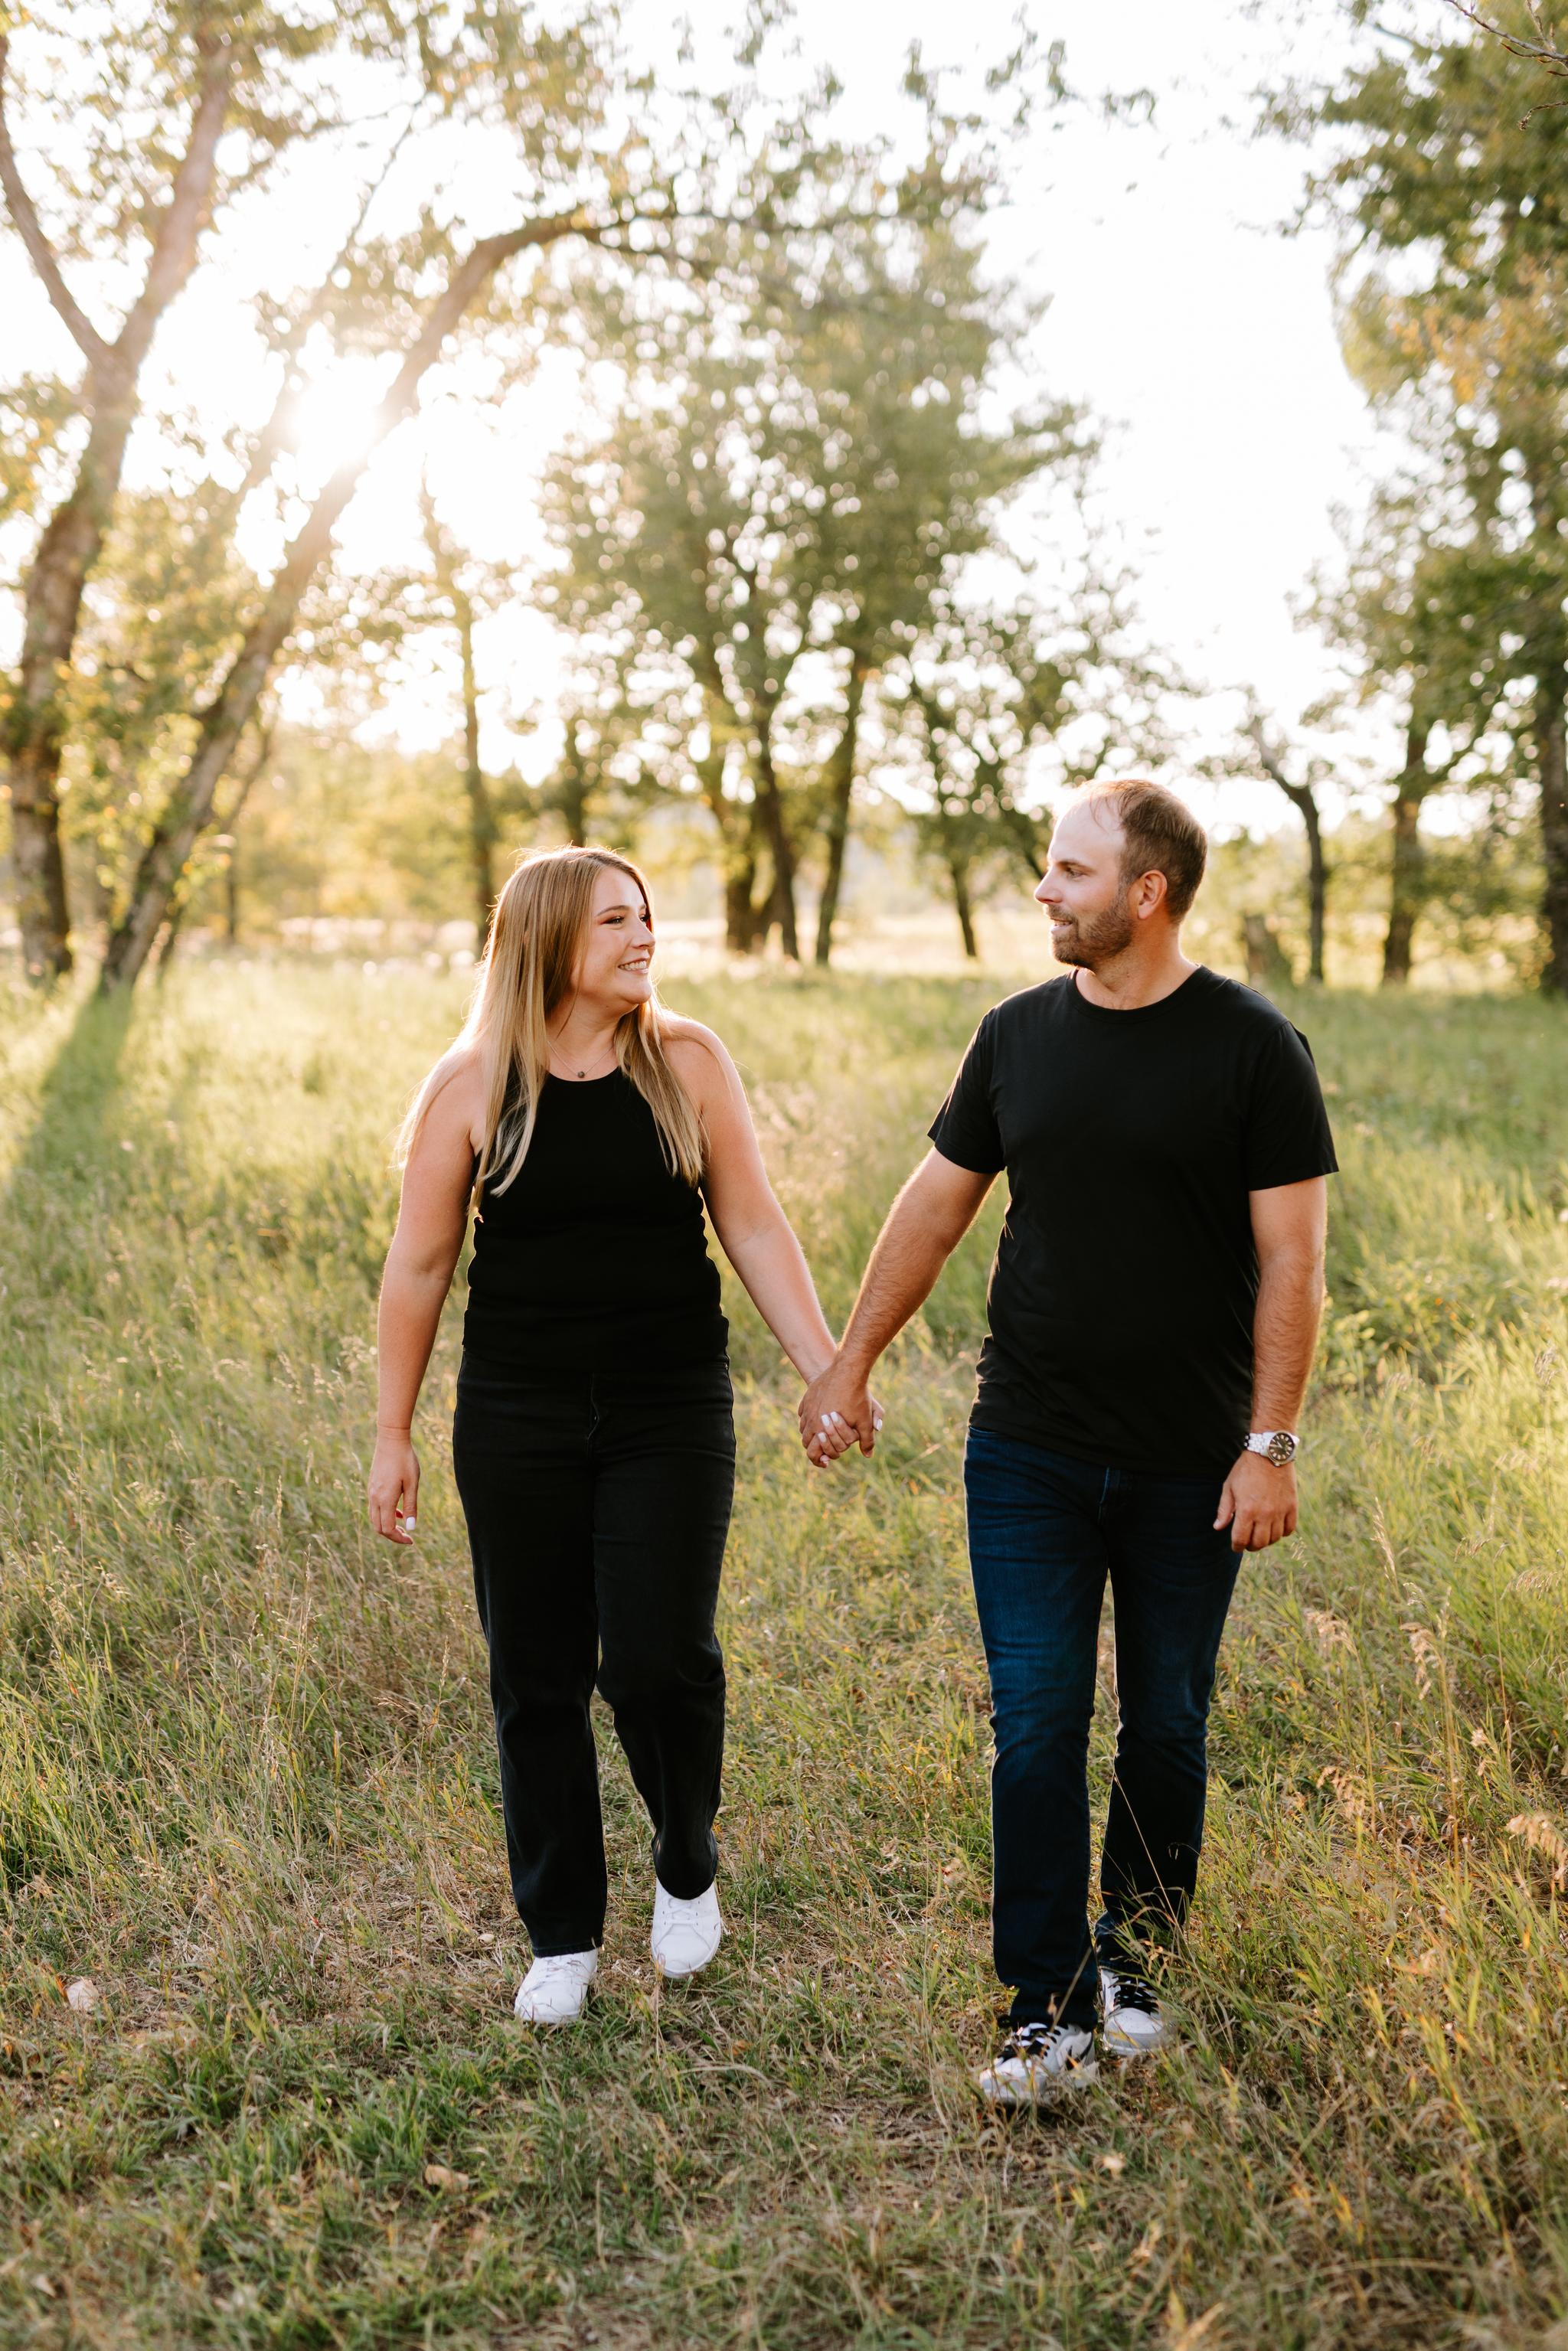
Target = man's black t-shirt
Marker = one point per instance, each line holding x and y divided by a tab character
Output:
1121	1297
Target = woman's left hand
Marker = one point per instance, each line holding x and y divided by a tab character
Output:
834	1433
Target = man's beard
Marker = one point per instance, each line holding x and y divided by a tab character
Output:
1092	939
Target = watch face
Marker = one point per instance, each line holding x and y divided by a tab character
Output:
1281	1448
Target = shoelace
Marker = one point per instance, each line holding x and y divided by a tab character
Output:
1129	1988
1035	2040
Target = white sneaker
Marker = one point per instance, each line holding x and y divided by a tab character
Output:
1036	2062
553	1991
1134	2026
685	1934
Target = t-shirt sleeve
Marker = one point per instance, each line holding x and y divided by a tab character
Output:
1288	1134
964	1129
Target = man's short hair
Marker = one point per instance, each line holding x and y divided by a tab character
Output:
1160	834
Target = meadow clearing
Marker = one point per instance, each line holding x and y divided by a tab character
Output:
247	1789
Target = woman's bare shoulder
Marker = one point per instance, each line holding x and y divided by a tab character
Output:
689	1037
698	1056
454	1089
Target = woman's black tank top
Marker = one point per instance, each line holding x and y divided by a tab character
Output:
595	1252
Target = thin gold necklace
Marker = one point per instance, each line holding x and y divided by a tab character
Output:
608	1050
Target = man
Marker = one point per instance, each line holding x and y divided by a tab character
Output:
1153	1310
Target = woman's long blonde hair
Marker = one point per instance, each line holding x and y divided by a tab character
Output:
525	974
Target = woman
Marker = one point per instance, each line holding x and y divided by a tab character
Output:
594	1439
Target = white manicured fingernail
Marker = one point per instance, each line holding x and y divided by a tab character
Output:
409	1525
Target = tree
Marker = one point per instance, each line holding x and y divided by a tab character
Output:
250	84
1424	614
1004	707
793	469
1435	169
747	171
194	75
1302	794
898	351
536	94
461	587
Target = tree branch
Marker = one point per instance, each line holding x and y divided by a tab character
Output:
1541	53
173	255
269	442
1300	795
29	226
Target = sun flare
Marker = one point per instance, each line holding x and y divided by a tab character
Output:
335	415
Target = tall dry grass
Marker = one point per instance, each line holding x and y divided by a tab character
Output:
247	1788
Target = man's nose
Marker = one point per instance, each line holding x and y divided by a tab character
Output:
1045	892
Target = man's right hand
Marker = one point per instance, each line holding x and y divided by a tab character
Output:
836	1411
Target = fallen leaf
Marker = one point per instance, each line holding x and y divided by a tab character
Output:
83	1995
437	2175
1114	2163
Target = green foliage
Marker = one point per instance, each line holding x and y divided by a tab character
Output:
1003	706
1445	173
246	1783
794	470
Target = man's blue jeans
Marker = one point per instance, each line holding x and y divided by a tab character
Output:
1044	1533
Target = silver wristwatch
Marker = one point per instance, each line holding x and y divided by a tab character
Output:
1276	1445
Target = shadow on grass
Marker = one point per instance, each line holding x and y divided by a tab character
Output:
73	1135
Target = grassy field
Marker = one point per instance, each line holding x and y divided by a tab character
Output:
247	1789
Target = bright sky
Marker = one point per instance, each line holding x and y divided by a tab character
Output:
1201	334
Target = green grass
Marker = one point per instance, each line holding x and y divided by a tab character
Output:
246	1783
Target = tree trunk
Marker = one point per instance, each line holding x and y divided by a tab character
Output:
172	930
1317	884
73	539
482	827
740	913
1408	860
231	871
1551	756
572	796
190	802
1268	964
35	725
737	854
840	791
775	832
958	875
1304	798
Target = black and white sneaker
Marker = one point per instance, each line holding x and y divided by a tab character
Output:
1036	2063
1134	2026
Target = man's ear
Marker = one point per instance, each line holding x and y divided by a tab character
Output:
1148	893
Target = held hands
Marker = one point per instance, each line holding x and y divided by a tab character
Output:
394	1487
1258	1503
836	1411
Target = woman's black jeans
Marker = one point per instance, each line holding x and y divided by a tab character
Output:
598	1504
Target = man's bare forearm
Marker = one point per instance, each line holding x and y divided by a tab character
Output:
1284	1336
923	1227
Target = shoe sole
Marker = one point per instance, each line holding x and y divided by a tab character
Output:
681	1975
1082	2077
553	2024
1124	2048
